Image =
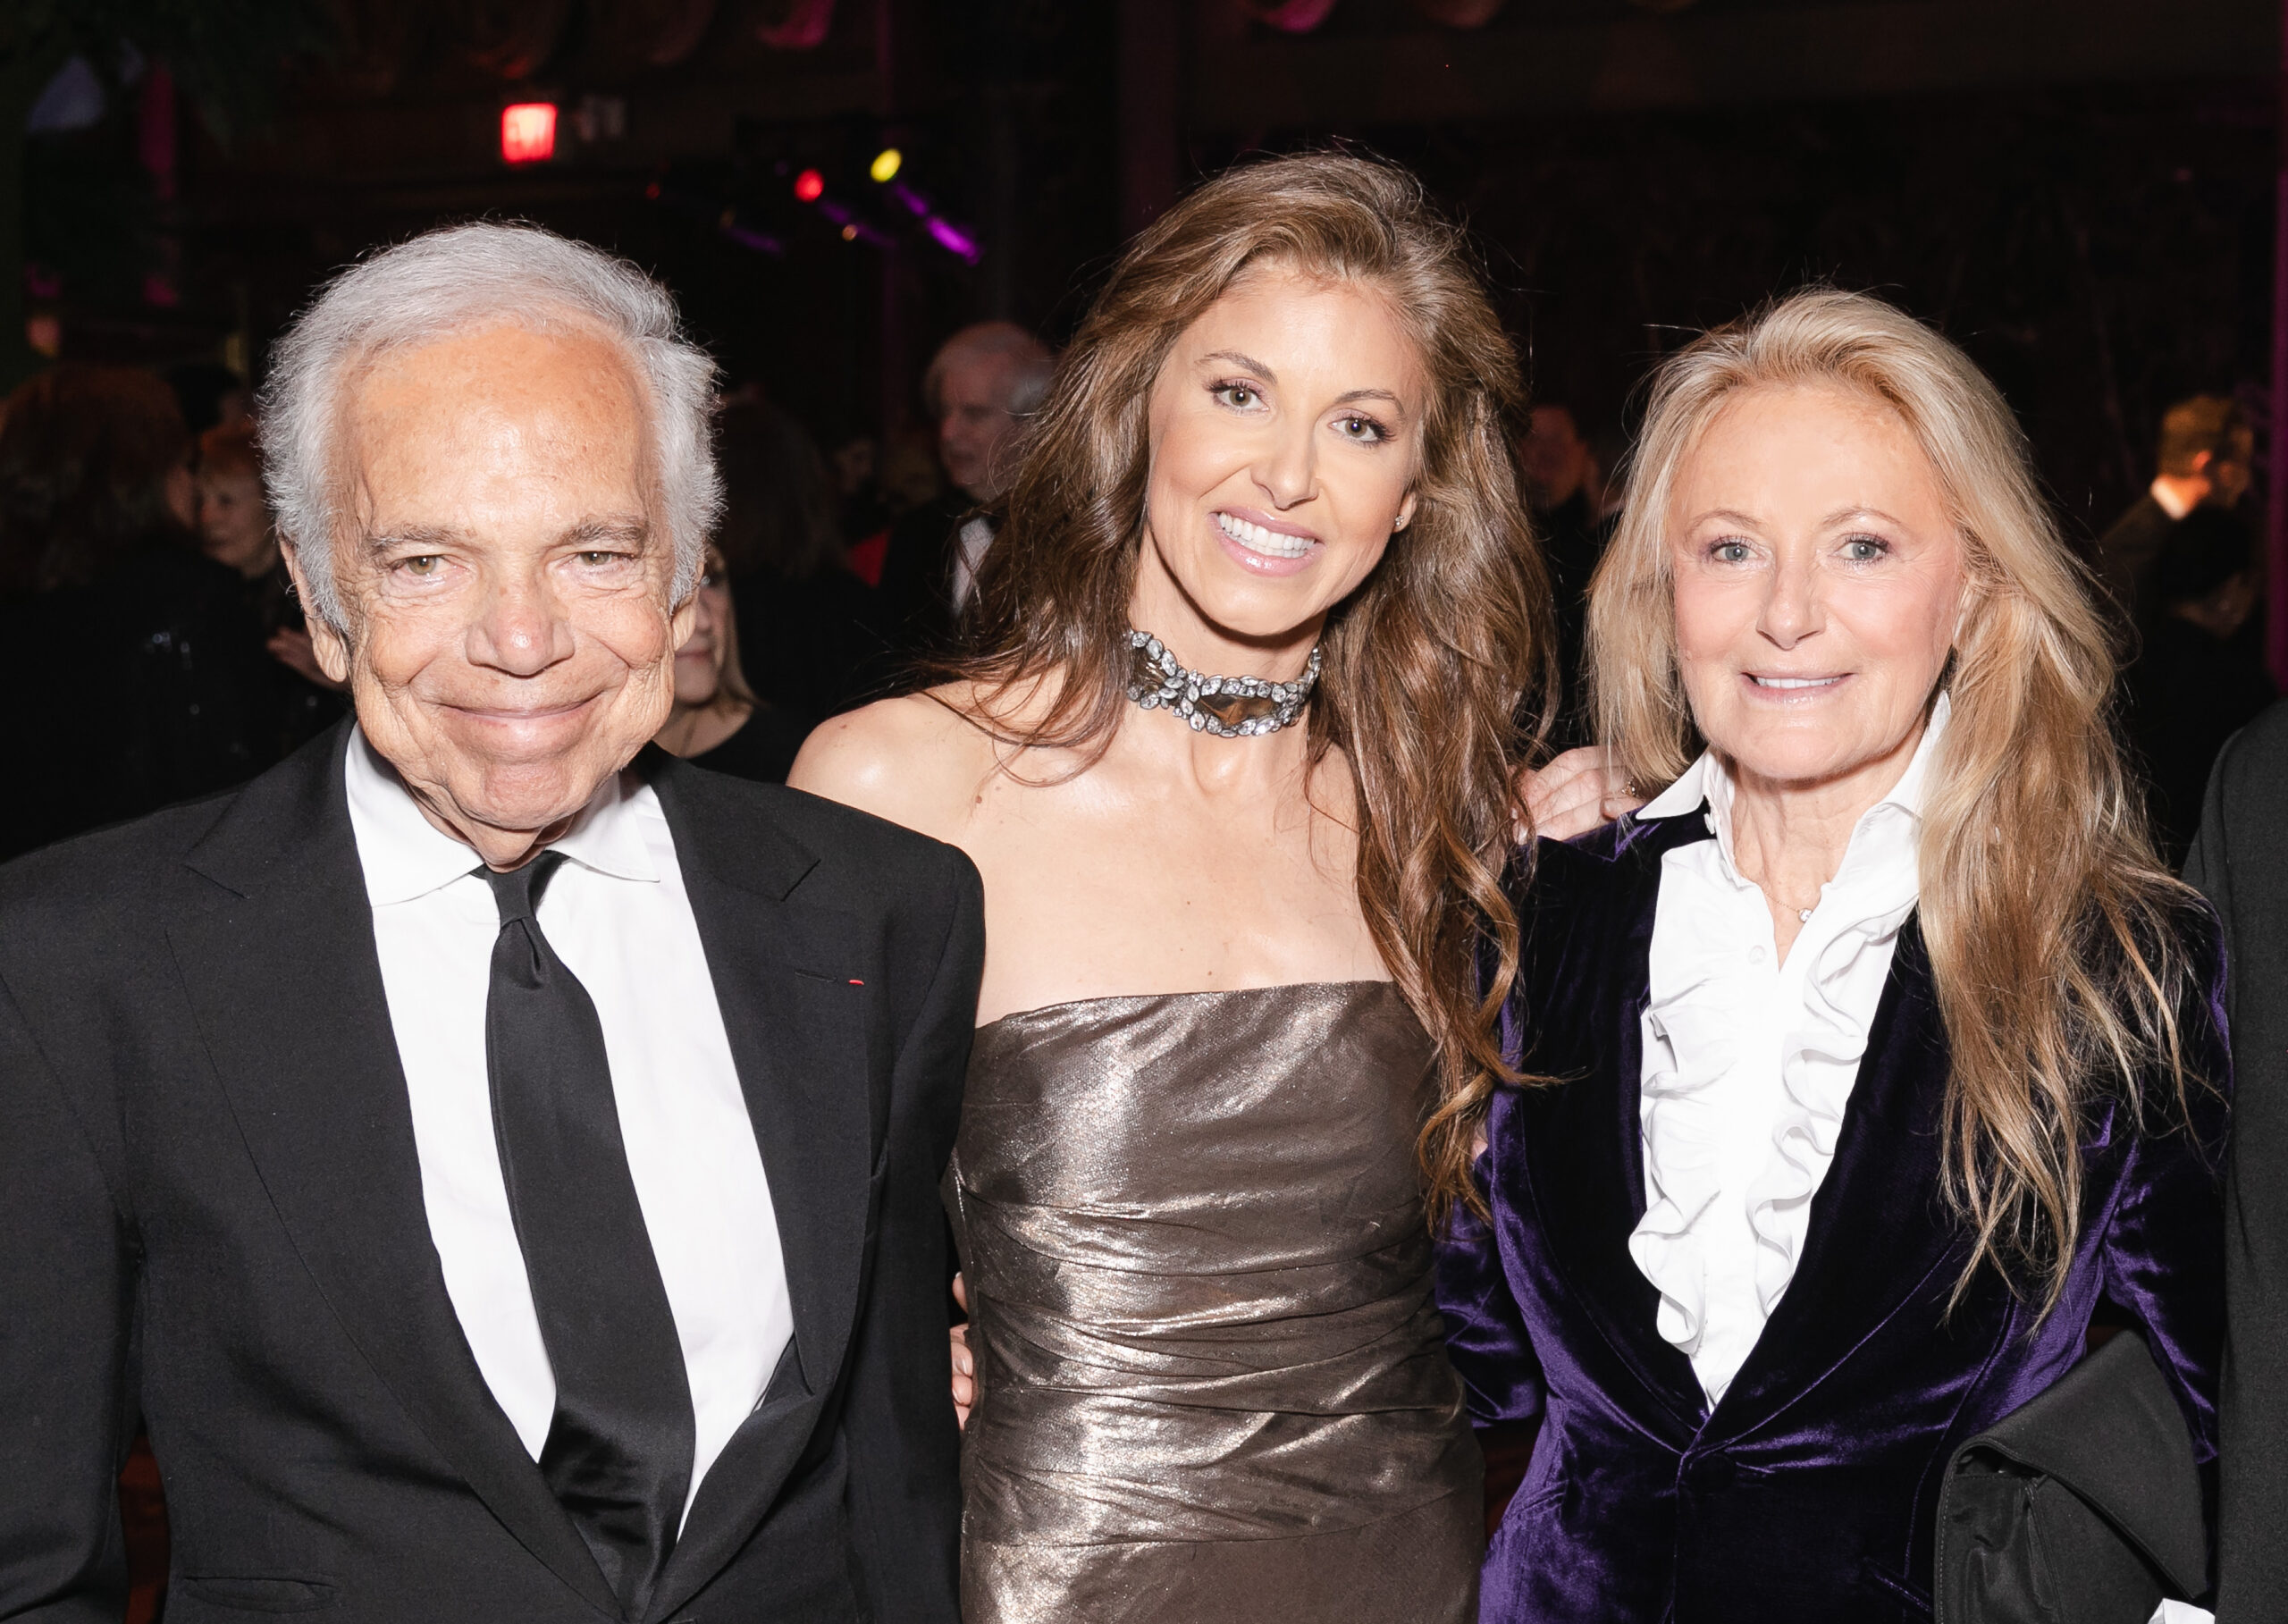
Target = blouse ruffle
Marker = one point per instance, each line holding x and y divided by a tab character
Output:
1706	988
1691	1043
1818	1062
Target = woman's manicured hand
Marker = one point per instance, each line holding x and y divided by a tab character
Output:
1575	793
964	1361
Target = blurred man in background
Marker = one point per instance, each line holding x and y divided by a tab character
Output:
980	386
2196	681
2205	453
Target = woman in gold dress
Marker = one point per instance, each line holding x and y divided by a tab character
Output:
1235	750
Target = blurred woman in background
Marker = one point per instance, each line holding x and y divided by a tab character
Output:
718	722
235	529
1868	1056
135	667
810	631
234	524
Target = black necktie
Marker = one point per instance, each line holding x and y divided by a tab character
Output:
618	1449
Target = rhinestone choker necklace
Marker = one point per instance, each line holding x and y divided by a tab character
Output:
1229	707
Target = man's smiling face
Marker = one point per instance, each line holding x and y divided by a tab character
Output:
511	634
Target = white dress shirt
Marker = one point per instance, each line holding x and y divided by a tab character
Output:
618	917
1749	1061
969	558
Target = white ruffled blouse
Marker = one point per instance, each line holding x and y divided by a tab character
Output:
1749	1062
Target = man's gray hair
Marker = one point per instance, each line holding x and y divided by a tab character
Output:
1031	362
461	279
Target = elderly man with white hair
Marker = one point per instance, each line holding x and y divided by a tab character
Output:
495	1163
981	385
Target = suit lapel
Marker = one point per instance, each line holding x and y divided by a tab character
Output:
1586	1152
1878	1228
796	1021
275	946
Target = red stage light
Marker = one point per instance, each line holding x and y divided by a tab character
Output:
810	186
528	132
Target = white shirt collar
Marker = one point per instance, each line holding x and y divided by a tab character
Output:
1706	780
405	855
2171	504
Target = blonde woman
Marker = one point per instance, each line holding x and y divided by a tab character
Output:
1866	1058
718	723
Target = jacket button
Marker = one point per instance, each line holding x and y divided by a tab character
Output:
1707	1474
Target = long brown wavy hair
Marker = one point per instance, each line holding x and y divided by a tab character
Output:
1427	666
2054	932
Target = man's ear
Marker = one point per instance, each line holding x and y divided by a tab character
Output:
684	615
326	641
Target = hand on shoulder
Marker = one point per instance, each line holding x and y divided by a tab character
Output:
1579	791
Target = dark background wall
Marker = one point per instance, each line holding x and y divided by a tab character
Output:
2101	251
2081	193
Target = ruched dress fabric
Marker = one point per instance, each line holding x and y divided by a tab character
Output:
1213	1384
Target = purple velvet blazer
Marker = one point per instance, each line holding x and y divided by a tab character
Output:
1811	1492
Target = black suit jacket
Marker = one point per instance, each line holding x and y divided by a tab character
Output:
2127	554
211	1222
2240	861
916	594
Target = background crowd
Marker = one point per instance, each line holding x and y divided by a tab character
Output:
138	556
141	557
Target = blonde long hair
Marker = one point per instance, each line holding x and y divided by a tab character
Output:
1425	663
2054	932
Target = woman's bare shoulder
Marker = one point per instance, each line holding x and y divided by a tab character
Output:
917	760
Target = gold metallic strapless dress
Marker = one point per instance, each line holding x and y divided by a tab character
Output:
1213	1380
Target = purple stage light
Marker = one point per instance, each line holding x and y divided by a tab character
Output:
954	239
756	240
